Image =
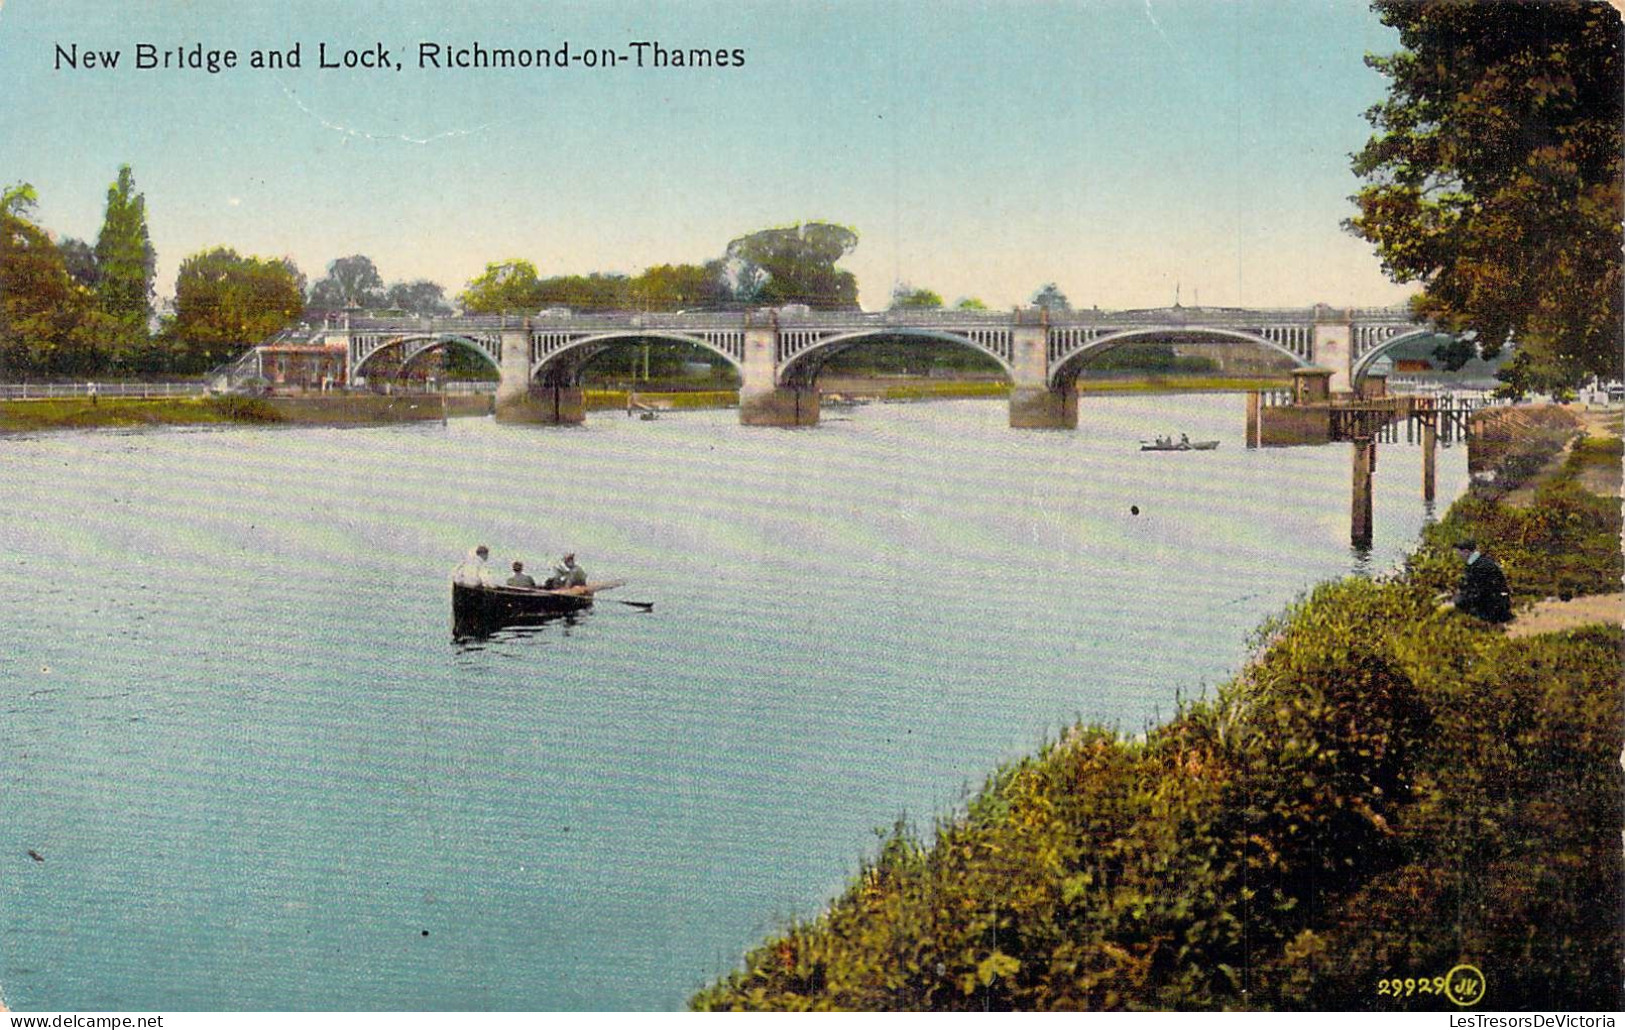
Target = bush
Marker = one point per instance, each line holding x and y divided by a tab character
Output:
238	408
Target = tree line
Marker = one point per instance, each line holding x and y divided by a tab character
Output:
69	308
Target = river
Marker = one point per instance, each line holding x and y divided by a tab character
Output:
260	774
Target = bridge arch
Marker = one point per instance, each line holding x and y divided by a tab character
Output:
1065	366
414	344
805	363
1363	363
563	360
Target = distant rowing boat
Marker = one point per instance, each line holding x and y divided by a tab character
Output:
478	610
1192	445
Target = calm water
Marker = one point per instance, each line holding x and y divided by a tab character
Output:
262	776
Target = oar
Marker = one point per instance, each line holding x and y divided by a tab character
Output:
597	588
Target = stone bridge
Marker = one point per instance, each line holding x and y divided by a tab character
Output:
778	353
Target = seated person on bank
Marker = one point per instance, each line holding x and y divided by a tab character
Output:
567	574
520	578
1483	593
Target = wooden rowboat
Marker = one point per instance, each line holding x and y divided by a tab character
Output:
479	610
1194	445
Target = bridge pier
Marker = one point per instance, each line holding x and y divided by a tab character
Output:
779	406
763	401
1333	346
1034	402
1039	407
519	399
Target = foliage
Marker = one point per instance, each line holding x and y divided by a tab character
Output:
47	320
597	291
79	413
971	304
910	355
1495	179
655	359
504	286
798	263
236	408
905	297
125	264
1384	792
80	259
19	200
225	303
682	287
1155	357
351	282
1050	298
1564	545
418	297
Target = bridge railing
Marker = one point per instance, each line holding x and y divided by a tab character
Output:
917	317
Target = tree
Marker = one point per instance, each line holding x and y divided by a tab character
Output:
49	322
680	287
504	286
1494	180
19	200
225	303
971	304
798	263
905	296
125	264
598	291
351	282
1050	298
420	297
80	258
39	303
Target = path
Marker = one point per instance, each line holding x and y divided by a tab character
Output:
1553	615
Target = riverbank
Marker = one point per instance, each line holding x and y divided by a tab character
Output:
33	416
1384	796
77	413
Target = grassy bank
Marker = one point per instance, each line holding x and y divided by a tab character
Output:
1384	794
127	412
612	400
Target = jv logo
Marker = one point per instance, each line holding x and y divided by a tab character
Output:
1464	985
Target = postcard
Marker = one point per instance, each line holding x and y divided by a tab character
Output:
637	506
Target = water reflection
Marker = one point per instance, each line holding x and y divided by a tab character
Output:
476	635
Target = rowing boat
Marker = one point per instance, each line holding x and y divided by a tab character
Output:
1194	445
478	610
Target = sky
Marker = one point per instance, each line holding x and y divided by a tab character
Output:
1123	149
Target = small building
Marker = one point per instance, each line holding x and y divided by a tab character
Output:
301	366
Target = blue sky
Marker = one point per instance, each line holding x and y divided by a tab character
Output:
1116	147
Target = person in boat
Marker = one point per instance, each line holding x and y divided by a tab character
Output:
567	574
474	570
1184	439
1483	593
520	577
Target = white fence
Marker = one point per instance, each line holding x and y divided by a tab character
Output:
43	391
470	386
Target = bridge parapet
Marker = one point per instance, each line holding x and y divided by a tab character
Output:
445	324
